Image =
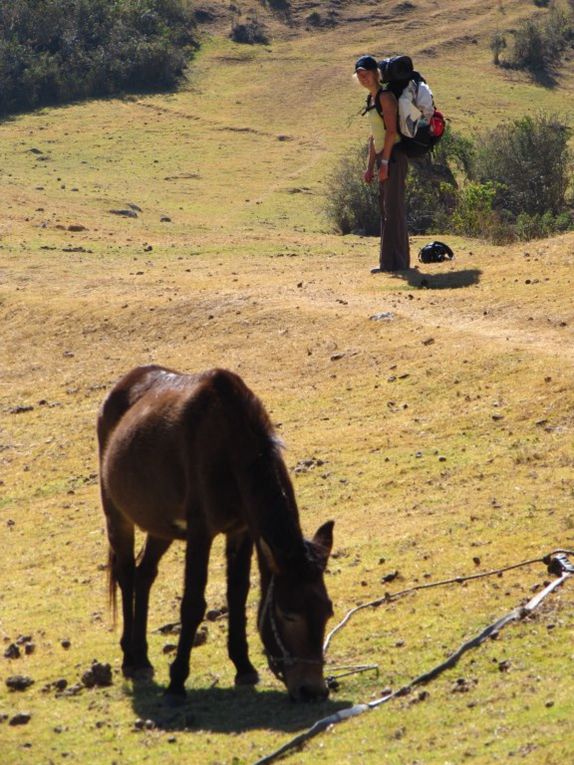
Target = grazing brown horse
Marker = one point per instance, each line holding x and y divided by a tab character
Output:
188	457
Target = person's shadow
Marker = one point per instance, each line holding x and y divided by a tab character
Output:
226	710
442	280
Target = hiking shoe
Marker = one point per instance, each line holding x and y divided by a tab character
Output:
376	270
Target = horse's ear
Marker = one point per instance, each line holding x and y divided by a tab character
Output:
267	553
323	539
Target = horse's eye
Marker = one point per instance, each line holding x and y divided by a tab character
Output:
289	616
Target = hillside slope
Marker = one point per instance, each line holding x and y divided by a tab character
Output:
430	416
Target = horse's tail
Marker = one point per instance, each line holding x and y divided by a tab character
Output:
112	585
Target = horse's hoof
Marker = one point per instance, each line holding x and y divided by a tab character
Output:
172	700
247	678
140	674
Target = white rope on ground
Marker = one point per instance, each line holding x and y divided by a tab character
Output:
389	598
559	565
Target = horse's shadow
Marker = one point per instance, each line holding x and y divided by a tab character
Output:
226	710
441	281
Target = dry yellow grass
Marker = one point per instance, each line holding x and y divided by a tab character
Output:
445	430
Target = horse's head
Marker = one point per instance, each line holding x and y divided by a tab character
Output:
292	617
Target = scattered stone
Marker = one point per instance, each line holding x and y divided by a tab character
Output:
58	685
134	207
29	648
21	718
428	341
65	643
390	577
77	227
125	213
165	219
173	628
12	652
382	316
215	613
304	466
72	690
337	356
504	666
19	682
140	724
99	675
442	458
21	409
169	648
200	637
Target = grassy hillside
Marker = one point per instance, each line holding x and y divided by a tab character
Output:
445	429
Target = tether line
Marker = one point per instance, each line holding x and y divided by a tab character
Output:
557	563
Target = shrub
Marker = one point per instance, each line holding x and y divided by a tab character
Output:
52	51
352	205
538	44
475	214
540	226
252	32
529	159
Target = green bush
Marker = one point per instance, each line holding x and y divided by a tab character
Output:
539	43
53	51
352	205
530	161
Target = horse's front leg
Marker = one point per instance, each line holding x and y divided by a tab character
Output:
192	606
239	548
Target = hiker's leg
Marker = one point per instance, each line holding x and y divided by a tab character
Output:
395	254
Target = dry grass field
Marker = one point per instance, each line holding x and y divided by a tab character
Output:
430	416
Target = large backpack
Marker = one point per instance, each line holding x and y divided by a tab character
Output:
421	125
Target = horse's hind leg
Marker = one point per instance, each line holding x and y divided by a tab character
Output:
121	572
192	606
145	574
239	548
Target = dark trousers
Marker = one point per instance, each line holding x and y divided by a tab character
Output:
394	255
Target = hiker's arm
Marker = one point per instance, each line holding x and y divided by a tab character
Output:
368	174
391	118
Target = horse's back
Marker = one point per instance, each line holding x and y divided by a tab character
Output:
167	440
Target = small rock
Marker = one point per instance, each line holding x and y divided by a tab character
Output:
125	213
19	682
382	316
215	613
504	666
390	577
165	219
12	652
21	718
200	637
77	227
99	675
65	643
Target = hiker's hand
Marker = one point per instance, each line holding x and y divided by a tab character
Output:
383	173
368	175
